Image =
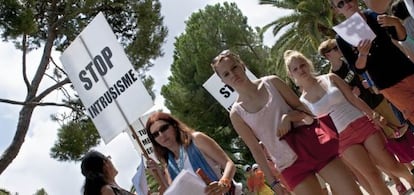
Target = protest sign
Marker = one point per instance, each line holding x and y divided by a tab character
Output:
139	128
223	93
105	80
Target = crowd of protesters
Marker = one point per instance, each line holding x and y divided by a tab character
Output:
347	128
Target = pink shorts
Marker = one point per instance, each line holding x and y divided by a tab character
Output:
312	155
356	133
402	147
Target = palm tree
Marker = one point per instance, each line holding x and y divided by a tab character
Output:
310	23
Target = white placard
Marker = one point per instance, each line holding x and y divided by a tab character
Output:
223	93
354	30
186	183
139	127
107	84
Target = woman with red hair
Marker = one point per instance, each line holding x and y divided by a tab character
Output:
179	147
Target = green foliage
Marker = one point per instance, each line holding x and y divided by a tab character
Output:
209	31
74	140
148	82
41	192
21	19
149	30
4	192
76	135
32	24
153	184
137	24
304	29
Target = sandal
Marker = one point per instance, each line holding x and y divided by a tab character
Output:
401	188
397	131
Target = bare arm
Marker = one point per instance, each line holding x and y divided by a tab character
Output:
392	21
354	100
250	140
363	51
301	113
287	93
210	148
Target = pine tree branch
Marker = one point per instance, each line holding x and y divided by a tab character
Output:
50	89
38	104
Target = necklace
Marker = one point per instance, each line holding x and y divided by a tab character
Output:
181	159
177	165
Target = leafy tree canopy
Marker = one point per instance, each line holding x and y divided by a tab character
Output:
41	192
309	23
208	32
4	192
35	24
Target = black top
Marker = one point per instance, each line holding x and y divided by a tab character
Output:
354	80
386	63
120	191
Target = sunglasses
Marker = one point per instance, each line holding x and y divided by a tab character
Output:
221	56
331	49
341	3
162	129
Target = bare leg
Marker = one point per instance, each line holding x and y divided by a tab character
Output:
375	144
410	167
309	186
359	159
322	183
359	177
398	184
339	178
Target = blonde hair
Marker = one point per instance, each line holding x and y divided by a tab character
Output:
290	55
228	55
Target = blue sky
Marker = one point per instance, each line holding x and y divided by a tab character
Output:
33	168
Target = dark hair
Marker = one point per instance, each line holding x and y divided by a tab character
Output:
92	168
399	9
326	46
182	131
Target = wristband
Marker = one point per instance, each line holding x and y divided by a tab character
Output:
362	55
274	183
375	115
225	182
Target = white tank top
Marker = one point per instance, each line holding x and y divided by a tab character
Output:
264	125
335	104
